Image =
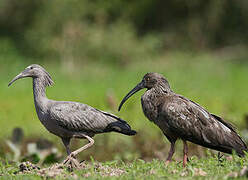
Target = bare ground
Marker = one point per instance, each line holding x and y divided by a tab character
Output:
60	170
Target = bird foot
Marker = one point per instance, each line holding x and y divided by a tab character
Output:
71	162
167	162
184	163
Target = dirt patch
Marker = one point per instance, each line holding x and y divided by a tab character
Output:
106	170
59	170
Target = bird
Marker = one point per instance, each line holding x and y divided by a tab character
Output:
15	143
181	118
67	119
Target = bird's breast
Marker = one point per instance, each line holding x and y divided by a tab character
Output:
149	107
52	126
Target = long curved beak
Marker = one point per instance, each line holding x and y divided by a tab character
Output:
133	91
23	74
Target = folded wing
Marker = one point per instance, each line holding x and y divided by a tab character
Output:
81	117
193	123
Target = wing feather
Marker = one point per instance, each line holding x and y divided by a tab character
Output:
192	122
79	117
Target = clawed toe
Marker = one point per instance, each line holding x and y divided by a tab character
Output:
71	162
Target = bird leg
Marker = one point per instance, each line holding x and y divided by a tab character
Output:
171	152
91	142
71	158
66	142
71	162
185	153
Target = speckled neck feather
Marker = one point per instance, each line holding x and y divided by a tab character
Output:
162	87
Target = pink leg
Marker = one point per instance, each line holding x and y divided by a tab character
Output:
185	153
171	152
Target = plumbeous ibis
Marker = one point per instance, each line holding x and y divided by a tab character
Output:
181	118
68	119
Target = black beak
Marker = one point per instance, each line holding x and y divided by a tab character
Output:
133	91
19	76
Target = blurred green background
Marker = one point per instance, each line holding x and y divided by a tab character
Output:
96	51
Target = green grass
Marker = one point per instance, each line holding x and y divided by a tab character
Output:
204	168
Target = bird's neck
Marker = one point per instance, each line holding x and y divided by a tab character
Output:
39	90
150	100
161	90
153	94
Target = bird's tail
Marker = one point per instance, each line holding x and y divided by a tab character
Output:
241	148
120	127
233	141
241	152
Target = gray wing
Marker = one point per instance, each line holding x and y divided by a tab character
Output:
193	123
80	117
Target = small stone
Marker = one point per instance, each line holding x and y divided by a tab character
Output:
199	172
233	174
244	171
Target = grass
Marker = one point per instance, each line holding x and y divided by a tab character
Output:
204	168
218	83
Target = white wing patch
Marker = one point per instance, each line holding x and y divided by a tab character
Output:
226	129
205	138
205	113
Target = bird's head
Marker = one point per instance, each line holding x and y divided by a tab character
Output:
149	81
34	71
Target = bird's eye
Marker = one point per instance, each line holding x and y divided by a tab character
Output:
31	67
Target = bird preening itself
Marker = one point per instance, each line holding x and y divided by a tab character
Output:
68	119
181	118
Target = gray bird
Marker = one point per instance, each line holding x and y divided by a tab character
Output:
181	118
68	119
